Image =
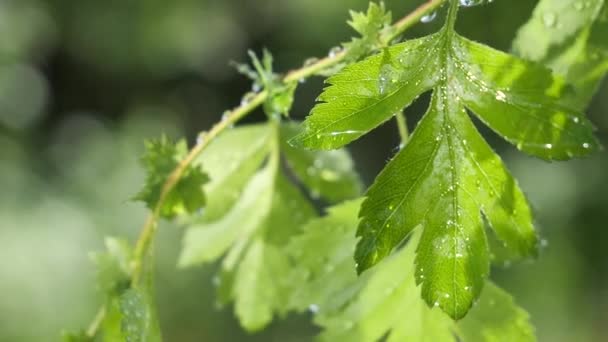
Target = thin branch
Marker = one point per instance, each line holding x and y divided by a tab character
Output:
404	133
230	118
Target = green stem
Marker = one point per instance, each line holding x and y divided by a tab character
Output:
452	15
148	230
404	133
410	20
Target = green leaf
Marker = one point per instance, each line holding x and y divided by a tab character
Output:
138	317
252	233
553	24
447	176
138	322
368	93
521	101
230	161
496	318
327	174
369	25
574	45
323	260
442	182
129	307
160	159
280	95
385	302
257	263
113	266
206	241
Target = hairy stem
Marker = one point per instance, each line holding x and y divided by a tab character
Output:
148	230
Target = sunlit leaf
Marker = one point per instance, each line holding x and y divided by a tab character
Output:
384	303
570	38
330	175
251	231
160	159
447	176
369	25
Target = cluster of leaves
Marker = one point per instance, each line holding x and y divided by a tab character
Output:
255	207
385	302
424	235
447	176
130	313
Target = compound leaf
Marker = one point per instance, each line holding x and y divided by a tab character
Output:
366	94
385	302
251	231
447	176
369	25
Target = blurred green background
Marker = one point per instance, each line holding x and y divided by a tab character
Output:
82	83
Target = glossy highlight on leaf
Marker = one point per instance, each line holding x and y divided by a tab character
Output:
575	46
385	302
447	177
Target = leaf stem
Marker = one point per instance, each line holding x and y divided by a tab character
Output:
452	14
410	20
96	323
404	133
230	118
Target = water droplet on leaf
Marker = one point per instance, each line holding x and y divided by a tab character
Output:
428	17
549	19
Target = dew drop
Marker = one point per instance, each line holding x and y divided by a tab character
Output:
586	145
467	288
470	3
386	79
201	138
548	146
576	119
310	61
447	295
429	17
436	304
500	96
334	51
549	19
314	308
